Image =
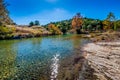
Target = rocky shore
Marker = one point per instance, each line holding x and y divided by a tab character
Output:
102	60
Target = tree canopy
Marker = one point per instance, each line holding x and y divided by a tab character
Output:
77	21
4	13
35	23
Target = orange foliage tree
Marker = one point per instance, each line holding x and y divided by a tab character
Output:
77	22
53	29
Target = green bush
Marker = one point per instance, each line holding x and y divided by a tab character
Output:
89	27
6	32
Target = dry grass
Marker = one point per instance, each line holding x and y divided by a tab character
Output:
25	31
106	36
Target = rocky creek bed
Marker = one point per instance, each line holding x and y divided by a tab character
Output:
102	60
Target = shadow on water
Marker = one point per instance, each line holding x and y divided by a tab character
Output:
37	58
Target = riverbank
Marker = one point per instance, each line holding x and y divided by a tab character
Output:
86	59
102	58
18	32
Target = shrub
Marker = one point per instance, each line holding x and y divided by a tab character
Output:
53	29
6	32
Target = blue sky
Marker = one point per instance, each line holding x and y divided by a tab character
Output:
24	11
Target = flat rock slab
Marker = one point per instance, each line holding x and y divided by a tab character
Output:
104	58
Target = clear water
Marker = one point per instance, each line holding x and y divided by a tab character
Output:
36	58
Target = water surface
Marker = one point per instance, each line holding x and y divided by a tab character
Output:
36	58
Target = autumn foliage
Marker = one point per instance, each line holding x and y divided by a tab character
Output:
53	29
77	21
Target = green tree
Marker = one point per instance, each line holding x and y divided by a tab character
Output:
64	30
111	18
84	27
36	23
4	13
31	24
89	27
98	27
